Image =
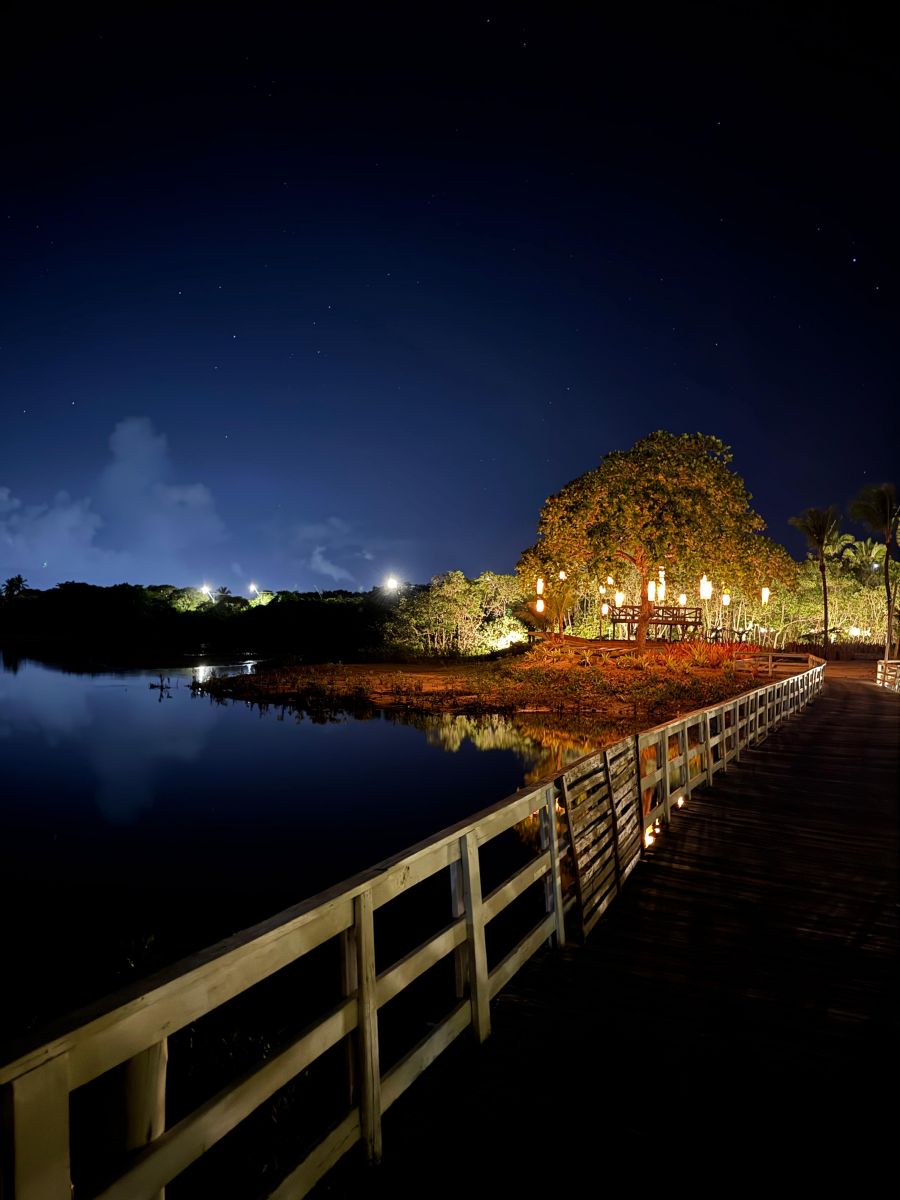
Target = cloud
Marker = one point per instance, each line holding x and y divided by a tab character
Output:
323	566
140	523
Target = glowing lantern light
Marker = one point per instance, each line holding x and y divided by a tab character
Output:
539	586
854	631
765	596
562	574
661	590
680	801
620	599
662	574
726	598
682	599
705	589
651	590
539	605
604	610
602	589
610	580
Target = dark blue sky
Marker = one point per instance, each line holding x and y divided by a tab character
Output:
307	298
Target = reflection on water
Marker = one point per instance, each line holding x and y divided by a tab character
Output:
140	820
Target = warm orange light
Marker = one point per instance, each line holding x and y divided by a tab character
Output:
562	574
765	596
661	591
610	580
539	586
539	605
620	599
682	599
651	590
604	610
705	589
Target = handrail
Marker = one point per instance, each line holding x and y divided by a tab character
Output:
133	1027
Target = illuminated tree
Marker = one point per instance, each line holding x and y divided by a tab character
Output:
876	507
819	526
671	500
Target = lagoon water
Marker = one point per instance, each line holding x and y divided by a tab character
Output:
139	822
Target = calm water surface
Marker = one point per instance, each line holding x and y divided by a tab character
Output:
141	822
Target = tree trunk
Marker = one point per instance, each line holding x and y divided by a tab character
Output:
887	592
825	607
644	615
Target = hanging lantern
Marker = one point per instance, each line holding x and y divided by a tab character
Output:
662	574
562	574
610	580
682	599
539	586
604	610
726	598
661	590
620	599
765	596
602	590
651	590
705	589
539	605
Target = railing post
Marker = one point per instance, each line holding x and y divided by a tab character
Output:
145	1098
458	909
664	754
707	737
36	1106
549	840
370	1066
350	987
477	952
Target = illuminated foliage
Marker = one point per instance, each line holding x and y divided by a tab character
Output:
670	501
454	615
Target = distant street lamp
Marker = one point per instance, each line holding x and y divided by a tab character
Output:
206	590
392	583
254	589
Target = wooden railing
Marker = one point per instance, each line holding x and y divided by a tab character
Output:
775	662
887	674
642	779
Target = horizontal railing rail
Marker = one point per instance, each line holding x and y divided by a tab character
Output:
644	776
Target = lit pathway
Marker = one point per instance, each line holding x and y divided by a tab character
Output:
735	1015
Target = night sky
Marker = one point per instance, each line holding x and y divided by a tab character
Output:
309	294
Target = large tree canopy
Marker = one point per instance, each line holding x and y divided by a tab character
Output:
670	501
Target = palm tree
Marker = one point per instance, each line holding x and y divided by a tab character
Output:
876	507
819	525
14	586
223	591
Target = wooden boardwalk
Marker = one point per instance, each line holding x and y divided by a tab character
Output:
733	1019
